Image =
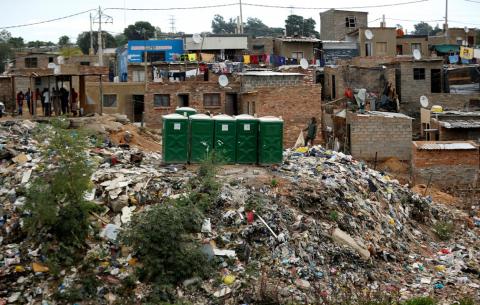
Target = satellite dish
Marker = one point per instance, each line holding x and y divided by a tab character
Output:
416	54
368	34
304	63
223	80
424	101
197	38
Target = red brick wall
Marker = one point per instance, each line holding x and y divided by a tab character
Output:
6	93
295	104
445	167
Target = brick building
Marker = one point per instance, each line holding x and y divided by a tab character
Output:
7	95
407	43
296	47
383	133
335	24
456	126
260	45
445	163
257	93
382	43
456	36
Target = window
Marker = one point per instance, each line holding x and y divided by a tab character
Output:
418	73
297	55
38	81
211	99
259	47
109	100
138	76
50	59
84	63
31	62
417	46
251	108
380	48
161	100
368	49
351	22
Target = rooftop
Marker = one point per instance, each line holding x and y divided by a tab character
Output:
445	145
299	39
386	114
268	73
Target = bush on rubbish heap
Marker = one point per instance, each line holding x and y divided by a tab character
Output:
55	202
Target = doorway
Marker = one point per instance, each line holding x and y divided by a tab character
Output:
436	80
231	104
182	100
138	107
334	91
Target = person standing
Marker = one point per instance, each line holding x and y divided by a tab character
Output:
56	101
311	131
29	99
38	96
64	100
20	98
46	102
73	100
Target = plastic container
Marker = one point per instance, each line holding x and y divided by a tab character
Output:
175	138
247	139
270	140
201	137
225	137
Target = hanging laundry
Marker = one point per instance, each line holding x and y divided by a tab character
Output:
466	53
207	57
476	53
453	59
465	61
282	61
192	57
184	57
246	59
254	59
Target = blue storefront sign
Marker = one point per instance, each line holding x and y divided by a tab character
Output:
157	50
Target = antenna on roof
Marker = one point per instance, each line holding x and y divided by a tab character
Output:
304	63
424	101
197	38
368	34
416	54
223	80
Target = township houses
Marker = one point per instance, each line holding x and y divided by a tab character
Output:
369	86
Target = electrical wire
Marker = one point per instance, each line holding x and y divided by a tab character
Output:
46	21
170	8
337	8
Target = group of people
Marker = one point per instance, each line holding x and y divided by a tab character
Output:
58	101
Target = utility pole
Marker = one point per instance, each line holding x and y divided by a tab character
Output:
98	19
446	18
91	51
241	18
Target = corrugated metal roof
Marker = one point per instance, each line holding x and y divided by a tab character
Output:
268	73
387	114
450	124
447	146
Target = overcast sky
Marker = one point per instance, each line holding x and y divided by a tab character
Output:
461	13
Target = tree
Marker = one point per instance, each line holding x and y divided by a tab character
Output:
6	53
220	26
256	27
296	25
120	40
63	40
139	31
39	43
436	30
5	35
70	51
422	28
16	42
83	41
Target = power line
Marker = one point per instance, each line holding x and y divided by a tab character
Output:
337	8
46	21
473	1
170	8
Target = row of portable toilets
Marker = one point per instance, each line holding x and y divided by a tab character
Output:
244	139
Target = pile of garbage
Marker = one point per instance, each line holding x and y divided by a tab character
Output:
320	226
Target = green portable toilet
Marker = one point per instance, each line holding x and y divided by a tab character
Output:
270	140
247	139
185	111
225	131
201	137
175	138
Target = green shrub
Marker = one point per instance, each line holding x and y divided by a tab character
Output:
160	237
444	230
274	182
420	301
55	200
466	301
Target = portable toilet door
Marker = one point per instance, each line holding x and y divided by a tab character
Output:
201	137
175	138
186	111
270	134
247	139
225	138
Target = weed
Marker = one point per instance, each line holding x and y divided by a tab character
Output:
254	203
420	301
274	182
444	230
466	301
334	216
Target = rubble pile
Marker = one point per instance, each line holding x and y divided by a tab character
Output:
321	226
